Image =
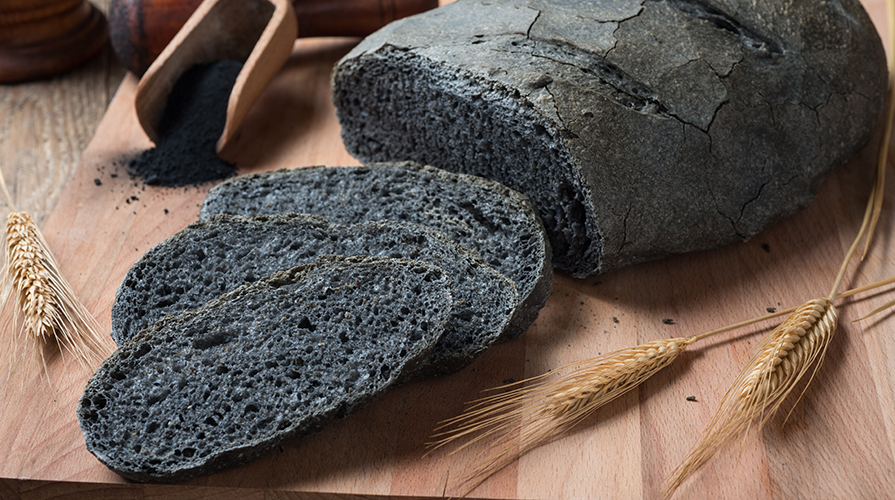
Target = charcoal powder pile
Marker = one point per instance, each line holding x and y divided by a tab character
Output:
193	121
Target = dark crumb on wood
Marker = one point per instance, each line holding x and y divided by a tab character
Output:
598	283
509	380
614	319
166	211
668	321
98	182
691	398
771	309
766	247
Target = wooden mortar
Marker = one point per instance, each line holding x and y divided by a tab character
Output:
41	38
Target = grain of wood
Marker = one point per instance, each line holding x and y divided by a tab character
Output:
45	127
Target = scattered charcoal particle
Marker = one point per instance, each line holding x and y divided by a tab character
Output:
668	321
691	398
134	198
114	176
766	247
614	319
166	211
127	200
771	309
98	182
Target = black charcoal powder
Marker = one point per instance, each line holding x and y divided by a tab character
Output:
194	119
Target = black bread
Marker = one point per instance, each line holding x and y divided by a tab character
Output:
222	385
495	221
639	128
209	258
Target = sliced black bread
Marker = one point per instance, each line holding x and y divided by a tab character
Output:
212	257
222	385
499	223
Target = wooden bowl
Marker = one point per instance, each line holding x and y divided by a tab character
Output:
42	38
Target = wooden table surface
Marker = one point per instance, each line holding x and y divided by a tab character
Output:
59	137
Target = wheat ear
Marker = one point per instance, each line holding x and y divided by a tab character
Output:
791	350
543	408
801	341
49	308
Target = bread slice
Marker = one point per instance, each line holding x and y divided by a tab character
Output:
222	385
499	223
210	258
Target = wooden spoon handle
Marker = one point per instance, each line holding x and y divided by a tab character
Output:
140	29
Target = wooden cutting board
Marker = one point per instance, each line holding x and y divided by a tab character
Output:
839	441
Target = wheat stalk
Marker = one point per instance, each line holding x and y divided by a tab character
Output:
797	345
546	407
782	359
48	307
538	410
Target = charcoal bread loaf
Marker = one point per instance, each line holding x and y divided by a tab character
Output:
499	223
221	385
639	128
209	258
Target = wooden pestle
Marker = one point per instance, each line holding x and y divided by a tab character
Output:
140	29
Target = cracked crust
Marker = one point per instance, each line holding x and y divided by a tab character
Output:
640	128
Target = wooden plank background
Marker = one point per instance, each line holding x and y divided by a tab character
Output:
838	442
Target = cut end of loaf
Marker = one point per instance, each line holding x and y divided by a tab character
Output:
513	144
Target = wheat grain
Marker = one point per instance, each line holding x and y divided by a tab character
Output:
782	359
27	271
49	308
545	407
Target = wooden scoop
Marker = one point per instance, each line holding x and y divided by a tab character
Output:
260	33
